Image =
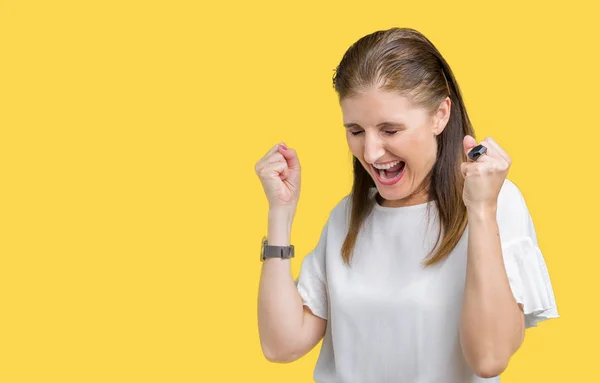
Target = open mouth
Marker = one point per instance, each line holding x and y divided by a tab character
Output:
391	173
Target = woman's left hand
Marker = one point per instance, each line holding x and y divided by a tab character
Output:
484	177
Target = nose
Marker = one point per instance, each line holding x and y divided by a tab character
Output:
373	149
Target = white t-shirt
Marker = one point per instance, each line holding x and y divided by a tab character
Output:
389	319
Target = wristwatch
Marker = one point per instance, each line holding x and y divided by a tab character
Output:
268	251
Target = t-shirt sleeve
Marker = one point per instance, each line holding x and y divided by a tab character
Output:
312	281
525	266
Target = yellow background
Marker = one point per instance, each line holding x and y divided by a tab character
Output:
130	213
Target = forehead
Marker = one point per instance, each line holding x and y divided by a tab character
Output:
374	106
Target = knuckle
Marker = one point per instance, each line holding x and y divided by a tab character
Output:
276	157
264	171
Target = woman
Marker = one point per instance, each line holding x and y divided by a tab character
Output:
429	270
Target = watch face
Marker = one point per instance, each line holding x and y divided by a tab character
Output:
262	248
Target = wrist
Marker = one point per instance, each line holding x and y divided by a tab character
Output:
279	227
280	214
482	212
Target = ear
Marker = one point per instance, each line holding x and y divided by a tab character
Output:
441	117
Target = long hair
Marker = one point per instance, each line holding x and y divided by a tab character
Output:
407	63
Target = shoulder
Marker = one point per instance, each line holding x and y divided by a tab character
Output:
339	215
341	210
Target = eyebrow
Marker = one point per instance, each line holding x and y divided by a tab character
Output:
386	123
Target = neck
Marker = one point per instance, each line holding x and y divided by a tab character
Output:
407	201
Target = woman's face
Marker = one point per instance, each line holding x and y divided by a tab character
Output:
383	128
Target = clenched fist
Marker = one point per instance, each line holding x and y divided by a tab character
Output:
279	173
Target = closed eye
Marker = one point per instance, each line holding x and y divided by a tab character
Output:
388	132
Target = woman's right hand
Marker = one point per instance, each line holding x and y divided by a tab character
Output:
279	173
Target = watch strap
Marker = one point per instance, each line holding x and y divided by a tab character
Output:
271	251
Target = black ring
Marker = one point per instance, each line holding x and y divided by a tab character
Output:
477	152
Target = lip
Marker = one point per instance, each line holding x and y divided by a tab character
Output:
389	182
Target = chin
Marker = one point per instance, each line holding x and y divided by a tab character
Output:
391	195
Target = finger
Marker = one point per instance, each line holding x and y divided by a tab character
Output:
492	151
271	169
463	168
493	155
285	173
467	168
485	157
468	143
274	149
470	168
291	157
276	157
268	158
280	169
495	147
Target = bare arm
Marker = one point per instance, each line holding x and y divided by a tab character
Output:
492	324
287	329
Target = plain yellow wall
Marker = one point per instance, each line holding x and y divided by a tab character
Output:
130	214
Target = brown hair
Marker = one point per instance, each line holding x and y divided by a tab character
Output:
404	61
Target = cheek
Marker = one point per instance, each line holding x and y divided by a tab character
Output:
420	151
354	145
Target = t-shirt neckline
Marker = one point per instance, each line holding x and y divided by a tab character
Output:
378	207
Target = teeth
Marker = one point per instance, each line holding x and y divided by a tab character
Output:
390	165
